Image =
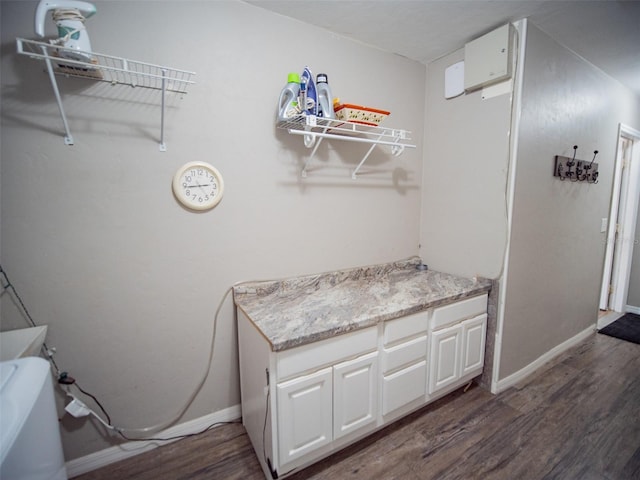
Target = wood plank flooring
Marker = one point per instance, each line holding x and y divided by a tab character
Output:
578	417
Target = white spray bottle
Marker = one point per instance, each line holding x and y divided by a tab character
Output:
69	16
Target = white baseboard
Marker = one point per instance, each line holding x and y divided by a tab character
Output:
502	385
632	309
110	455
609	318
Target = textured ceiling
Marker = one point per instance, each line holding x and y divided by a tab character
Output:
604	32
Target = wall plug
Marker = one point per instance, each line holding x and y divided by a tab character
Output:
77	408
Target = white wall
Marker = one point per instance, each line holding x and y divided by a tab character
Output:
557	250
100	251
463	228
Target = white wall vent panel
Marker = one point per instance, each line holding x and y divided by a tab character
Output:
487	60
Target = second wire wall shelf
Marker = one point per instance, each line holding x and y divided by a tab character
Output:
315	129
100	67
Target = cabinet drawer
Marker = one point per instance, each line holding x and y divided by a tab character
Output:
455	312
326	352
403	387
404	354
405	327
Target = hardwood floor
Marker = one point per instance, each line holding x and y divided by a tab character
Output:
578	417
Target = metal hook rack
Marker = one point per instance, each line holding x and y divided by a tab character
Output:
115	70
314	129
584	171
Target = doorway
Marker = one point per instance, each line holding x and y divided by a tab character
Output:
621	227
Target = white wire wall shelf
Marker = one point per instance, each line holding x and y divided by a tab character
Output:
115	70
315	129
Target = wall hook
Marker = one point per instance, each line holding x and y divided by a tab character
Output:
573	176
593	177
576	170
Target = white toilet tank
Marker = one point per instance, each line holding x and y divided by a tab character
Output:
30	445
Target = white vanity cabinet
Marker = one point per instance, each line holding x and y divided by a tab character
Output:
457	340
303	403
315	409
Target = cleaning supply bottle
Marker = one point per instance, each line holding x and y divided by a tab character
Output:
310	106
302	98
325	102
288	103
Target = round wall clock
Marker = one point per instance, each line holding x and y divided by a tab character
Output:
198	186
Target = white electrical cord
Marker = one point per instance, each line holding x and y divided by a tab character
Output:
125	432
144	432
67	14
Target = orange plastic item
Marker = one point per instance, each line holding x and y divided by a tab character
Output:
359	114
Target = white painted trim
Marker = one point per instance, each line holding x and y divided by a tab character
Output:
521	374
629	210
624	207
521	28
632	309
631	201
611	229
608	318
110	455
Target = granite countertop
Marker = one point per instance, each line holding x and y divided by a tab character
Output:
306	309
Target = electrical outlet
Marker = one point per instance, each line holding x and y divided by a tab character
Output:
77	408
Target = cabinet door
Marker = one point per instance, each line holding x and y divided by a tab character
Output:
445	357
355	394
473	335
304	414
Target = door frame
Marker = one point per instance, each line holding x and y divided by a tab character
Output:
624	206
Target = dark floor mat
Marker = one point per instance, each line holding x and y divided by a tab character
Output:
626	328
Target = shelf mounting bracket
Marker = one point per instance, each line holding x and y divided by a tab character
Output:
68	138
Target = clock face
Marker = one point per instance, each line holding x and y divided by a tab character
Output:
198	186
